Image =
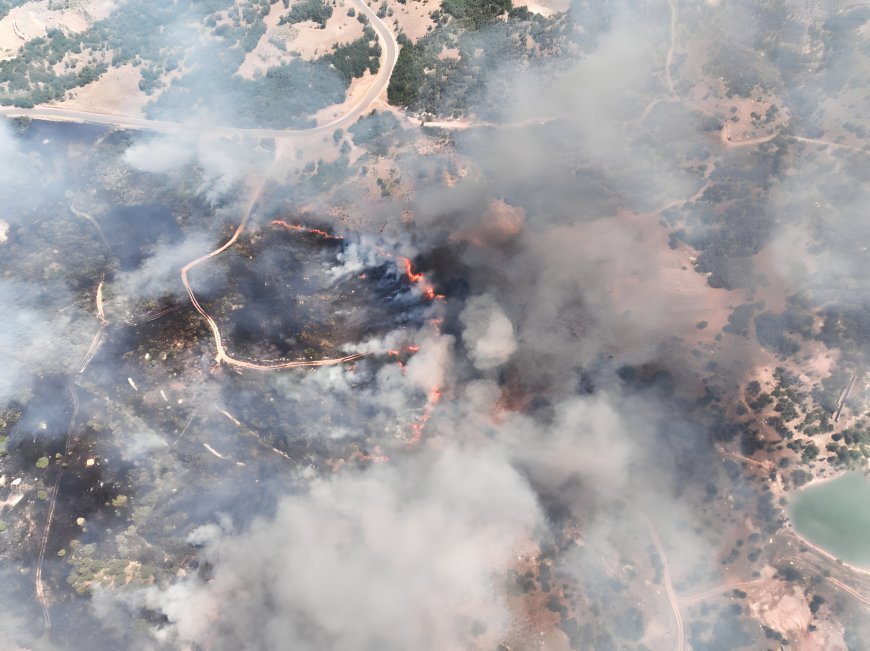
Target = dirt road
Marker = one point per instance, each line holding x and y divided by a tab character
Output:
679	631
388	60
688	600
222	356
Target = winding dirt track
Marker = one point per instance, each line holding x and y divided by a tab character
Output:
222	356
669	59
688	600
389	54
43	543
40	587
679	630
820	571
388	61
845	588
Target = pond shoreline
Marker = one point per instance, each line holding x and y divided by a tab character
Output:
816	483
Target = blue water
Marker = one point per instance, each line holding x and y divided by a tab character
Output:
835	516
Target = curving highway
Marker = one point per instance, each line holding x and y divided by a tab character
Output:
389	54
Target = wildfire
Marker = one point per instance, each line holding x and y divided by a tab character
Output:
409	271
415	277
305	229
432	398
401	354
430	294
417	428
375	456
395	352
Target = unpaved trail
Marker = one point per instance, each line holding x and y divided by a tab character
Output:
41	594
390	50
828	143
679	631
669	59
688	600
725	136
845	588
222	356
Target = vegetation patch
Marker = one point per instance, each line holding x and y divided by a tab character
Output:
316	11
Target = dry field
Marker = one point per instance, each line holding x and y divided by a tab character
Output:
283	43
116	93
33	19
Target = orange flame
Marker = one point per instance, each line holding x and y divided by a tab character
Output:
375	456
397	352
418	427
430	295
409	270
305	229
415	277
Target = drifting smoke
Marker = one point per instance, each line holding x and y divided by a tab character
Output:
499	408
222	163
827	228
157	277
397	558
161	155
411	553
488	335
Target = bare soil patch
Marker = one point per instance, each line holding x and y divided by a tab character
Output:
544	7
283	43
412	17
116	92
355	93
33	19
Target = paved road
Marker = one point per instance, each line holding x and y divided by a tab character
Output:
389	54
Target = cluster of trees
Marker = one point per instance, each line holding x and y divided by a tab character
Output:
281	98
377	132
8	5
353	59
738	320
30	78
314	10
404	88
728	225
423	81
476	13
133	33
